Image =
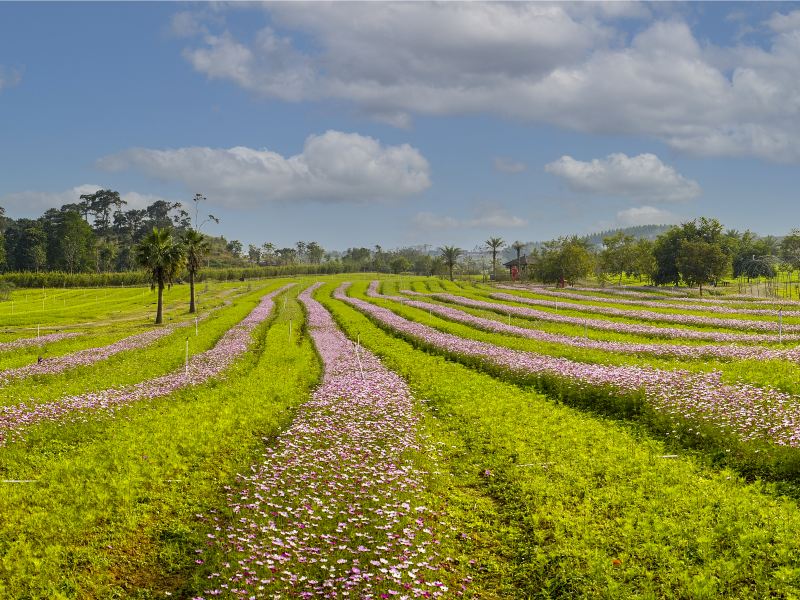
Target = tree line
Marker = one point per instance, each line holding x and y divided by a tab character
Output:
696	253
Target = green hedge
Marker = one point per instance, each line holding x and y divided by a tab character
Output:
52	279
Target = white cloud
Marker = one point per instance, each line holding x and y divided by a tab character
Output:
508	165
642	177
31	203
9	78
187	23
561	64
784	23
485	216
645	215
333	167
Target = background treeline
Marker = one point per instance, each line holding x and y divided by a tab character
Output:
92	242
695	253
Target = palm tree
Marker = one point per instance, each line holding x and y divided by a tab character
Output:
494	244
159	254
197	247
450	255
518	246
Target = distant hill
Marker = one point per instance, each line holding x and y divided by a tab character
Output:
648	232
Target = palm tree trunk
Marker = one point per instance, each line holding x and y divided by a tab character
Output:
159	309
451	272
191	291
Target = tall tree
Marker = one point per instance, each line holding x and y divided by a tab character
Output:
790	249
668	244
618	255
268	252
315	252
254	254
701	262
197	247
567	258
518	246
495	244
450	256
235	246
159	253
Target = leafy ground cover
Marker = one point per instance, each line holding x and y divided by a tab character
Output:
758	429
514	304
132	366
254	481
334	509
779	374
200	367
584	507
106	507
727	351
672	305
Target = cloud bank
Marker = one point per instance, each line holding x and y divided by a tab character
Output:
641	178
570	65
333	167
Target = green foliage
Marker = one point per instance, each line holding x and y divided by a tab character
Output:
700	262
400	264
495	244
111	511
450	255
577	506
619	254
163	258
567	258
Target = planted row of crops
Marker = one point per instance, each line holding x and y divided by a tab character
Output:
422	465
755	428
581	506
107	507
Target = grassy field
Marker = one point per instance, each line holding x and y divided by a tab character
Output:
423	454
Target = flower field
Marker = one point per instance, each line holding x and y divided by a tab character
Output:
355	437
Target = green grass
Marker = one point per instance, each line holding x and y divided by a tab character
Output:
568	494
132	366
60	309
780	374
112	511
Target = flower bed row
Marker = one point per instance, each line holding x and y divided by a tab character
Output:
332	510
234	342
728	351
35	341
599	324
656	303
88	356
647	315
681	295
760	427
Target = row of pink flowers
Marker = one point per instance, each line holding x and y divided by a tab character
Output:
603	325
647	315
690	305
332	510
746	411
652	293
35	341
234	342
728	351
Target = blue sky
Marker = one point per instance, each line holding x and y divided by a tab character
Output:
396	124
